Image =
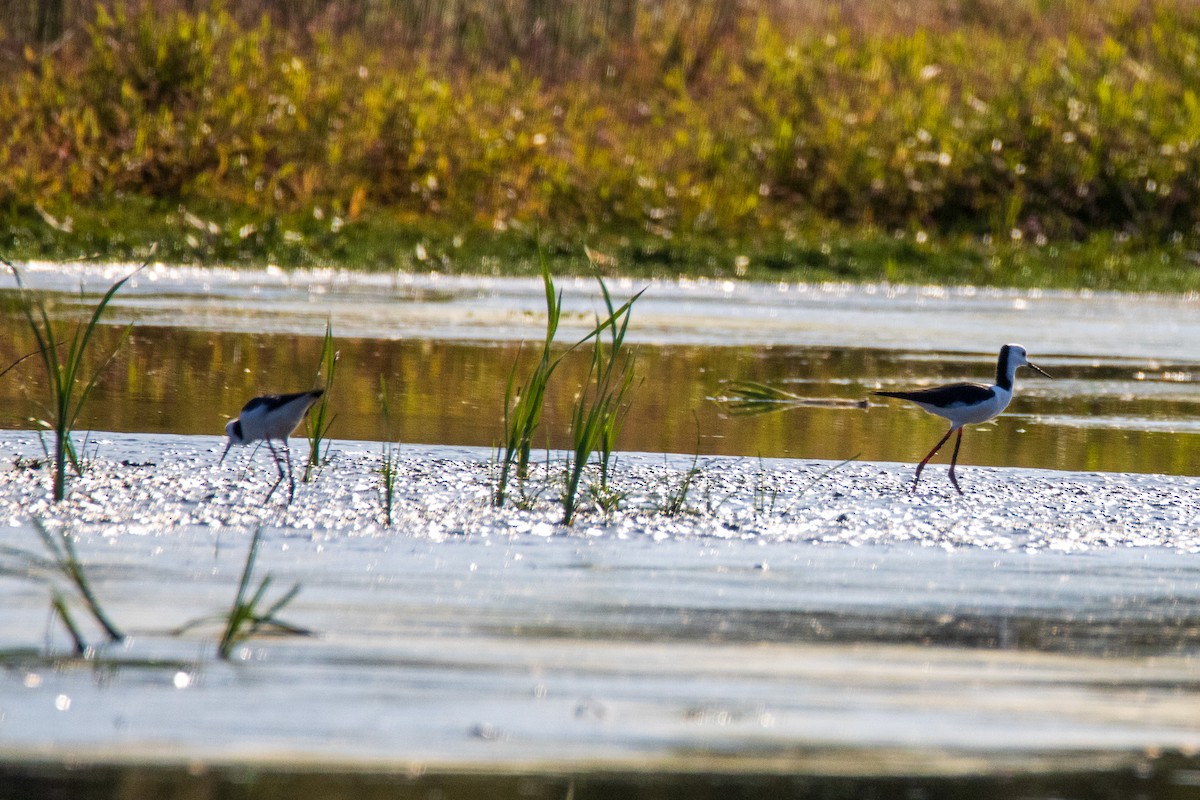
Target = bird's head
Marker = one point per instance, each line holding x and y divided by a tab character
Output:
1019	357
233	429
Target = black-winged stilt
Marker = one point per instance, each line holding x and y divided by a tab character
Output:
272	417
968	403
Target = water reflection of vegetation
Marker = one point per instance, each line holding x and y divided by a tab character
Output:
172	380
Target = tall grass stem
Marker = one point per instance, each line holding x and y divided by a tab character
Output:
319	420
600	407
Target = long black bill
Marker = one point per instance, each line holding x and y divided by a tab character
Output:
1036	368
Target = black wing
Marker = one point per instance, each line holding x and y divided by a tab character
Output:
274	401
946	396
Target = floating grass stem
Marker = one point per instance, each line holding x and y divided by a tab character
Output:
319	420
68	388
747	398
247	616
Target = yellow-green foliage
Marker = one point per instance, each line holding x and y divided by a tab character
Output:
745	122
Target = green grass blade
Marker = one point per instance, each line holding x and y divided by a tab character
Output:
248	567
67	561
59	604
244	617
92	323
319	422
283	601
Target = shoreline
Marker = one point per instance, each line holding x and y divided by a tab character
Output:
431	305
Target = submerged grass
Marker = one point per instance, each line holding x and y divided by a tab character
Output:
64	358
59	604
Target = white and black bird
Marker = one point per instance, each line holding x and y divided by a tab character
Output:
968	403
269	418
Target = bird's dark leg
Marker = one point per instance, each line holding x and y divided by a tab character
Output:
932	453
954	460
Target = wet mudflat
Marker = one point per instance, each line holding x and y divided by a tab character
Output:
843	628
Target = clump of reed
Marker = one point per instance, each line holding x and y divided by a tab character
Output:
64	359
597	413
523	404
601	404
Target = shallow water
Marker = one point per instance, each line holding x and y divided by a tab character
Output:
1126	396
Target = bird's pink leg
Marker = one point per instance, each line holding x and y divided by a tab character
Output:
932	453
278	466
291	475
954	460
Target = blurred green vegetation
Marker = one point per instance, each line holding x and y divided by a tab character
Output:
960	141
